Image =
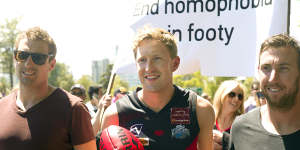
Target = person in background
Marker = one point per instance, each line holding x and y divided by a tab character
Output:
119	93
276	125
97	104
38	116
93	102
78	90
228	104
206	96
161	114
256	99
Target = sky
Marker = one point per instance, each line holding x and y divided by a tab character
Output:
87	30
84	30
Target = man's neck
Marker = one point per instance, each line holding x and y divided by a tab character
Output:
29	96
156	100
279	121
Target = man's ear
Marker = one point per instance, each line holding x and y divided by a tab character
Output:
52	64
176	62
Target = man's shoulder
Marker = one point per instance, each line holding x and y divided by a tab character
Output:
128	99
63	96
183	91
8	98
249	118
204	110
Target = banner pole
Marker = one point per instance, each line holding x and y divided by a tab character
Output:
288	17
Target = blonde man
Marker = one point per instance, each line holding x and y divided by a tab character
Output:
162	115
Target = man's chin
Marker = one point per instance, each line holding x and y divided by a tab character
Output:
283	103
151	89
26	81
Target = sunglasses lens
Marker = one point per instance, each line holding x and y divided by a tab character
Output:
77	93
231	94
21	55
240	97
39	59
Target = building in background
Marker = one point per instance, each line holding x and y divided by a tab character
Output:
98	68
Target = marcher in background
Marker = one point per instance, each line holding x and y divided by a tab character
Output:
93	102
256	99
119	93
206	96
98	102
38	116
78	90
228	104
162	115
276	125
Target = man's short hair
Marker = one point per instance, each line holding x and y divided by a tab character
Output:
281	40
148	33
93	90
80	88
37	34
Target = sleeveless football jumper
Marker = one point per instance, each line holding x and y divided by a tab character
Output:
174	127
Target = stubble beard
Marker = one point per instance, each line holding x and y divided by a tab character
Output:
286	102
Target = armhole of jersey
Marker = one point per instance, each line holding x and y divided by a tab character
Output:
130	96
193	102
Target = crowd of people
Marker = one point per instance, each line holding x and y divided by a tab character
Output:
38	116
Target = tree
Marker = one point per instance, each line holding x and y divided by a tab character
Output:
4	85
120	83
8	34
61	77
86	81
213	83
209	85
190	81
105	77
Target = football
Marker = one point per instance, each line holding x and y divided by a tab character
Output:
118	138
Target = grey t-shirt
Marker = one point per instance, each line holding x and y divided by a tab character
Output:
247	133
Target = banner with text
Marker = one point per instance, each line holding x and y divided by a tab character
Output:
217	37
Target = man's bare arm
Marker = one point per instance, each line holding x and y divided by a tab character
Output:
206	119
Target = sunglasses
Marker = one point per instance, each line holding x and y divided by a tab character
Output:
79	93
233	94
37	58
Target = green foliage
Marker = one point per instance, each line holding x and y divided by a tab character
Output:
119	83
86	81
248	83
8	34
208	84
4	85
213	83
104	80
189	80
61	77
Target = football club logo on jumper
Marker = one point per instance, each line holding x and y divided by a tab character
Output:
180	132
136	129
